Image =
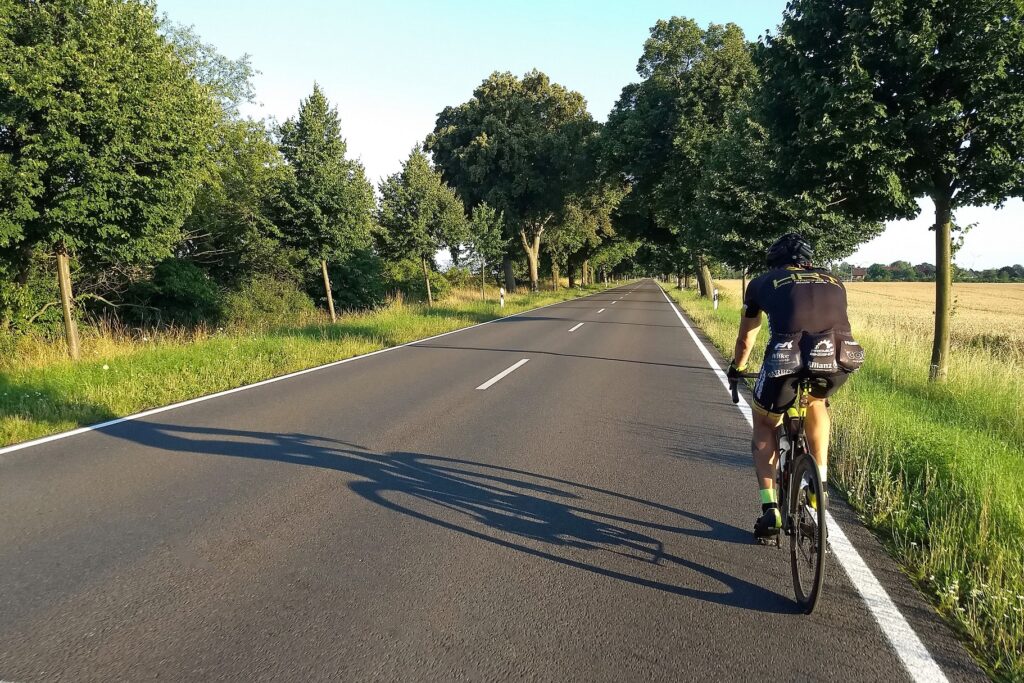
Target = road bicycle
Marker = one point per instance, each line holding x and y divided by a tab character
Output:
801	499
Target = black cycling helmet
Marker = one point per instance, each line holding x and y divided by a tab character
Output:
789	250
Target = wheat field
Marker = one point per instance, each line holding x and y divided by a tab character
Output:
987	316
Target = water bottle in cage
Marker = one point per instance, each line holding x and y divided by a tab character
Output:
785	449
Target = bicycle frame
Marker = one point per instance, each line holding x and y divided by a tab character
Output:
791	443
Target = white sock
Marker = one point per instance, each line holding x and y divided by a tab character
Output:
824	474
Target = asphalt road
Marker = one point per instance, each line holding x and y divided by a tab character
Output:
585	517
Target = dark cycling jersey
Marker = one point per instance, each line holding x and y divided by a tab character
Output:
798	300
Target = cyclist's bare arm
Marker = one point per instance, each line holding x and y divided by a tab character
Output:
749	327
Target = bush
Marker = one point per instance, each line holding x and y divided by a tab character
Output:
406	276
178	292
356	282
265	302
459	277
20	303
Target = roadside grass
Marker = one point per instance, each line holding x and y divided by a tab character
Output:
125	371
936	470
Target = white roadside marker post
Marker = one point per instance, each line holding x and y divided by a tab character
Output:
714	298
501	296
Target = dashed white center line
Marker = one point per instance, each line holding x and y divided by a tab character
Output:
573	329
501	375
601	311
615	302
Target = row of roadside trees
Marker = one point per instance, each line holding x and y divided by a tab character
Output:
123	157
840	120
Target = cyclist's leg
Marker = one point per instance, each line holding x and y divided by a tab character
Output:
818	424
817	427
772	396
764	449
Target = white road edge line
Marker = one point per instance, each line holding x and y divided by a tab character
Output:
911	651
199	399
501	375
576	327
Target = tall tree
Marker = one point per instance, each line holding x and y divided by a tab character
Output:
486	239
231	232
886	101
515	145
103	136
581	228
741	207
329	200
229	80
660	129
419	214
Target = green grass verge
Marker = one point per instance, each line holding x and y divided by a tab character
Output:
936	470
123	376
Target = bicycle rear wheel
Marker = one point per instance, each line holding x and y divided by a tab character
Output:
807	542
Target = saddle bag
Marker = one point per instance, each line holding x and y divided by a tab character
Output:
782	358
819	353
851	354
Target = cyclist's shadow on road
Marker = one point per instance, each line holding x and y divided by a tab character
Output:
546	517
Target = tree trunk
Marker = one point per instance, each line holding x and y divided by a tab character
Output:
588	277
483	279
510	276
24	265
554	273
679	280
686	280
426	278
531	246
743	285
572	275
704	283
943	288
327	289
64	284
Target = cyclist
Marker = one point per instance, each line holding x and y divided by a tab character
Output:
810	338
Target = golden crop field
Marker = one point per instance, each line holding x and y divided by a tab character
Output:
985	315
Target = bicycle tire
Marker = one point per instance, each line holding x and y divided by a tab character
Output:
809	536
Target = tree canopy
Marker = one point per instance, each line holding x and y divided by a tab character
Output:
103	131
516	145
419	214
882	103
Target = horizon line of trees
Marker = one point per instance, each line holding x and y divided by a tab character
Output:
130	181
903	271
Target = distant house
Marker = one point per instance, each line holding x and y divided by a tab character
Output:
859	274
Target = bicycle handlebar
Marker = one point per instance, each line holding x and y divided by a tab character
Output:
734	385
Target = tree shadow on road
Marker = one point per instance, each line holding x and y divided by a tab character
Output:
546	517
437	345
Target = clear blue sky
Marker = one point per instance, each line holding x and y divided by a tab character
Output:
391	66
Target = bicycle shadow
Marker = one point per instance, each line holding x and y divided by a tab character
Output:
546	517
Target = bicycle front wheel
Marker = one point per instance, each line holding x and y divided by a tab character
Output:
808	538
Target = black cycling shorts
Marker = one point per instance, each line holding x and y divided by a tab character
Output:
776	395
